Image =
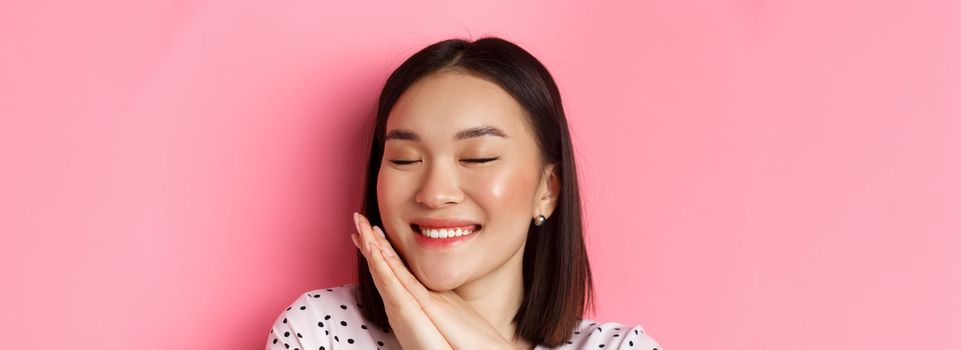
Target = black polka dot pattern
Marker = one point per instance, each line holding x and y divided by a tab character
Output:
329	319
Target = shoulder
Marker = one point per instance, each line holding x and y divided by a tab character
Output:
322	318
318	305
611	335
339	297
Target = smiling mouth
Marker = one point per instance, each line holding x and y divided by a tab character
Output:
446	232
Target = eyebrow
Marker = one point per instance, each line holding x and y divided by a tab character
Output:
404	134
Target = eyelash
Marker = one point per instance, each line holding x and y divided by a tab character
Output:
476	160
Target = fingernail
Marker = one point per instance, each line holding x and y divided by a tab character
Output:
356	219
380	232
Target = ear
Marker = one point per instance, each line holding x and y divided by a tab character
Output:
548	191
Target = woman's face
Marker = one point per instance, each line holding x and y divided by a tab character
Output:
431	172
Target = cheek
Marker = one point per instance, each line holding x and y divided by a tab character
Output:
391	197
505	192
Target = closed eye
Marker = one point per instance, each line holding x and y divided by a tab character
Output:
481	160
471	160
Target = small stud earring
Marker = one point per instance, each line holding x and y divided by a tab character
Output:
539	220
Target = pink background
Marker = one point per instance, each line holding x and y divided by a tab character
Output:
756	174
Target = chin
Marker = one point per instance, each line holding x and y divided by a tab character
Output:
441	280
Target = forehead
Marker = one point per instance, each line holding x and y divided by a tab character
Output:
441	104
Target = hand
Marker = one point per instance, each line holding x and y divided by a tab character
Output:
454	318
411	326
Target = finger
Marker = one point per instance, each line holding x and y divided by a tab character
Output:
443	317
422	330
383	276
449	316
400	305
357	237
392	291
382	241
380	276
366	234
402	273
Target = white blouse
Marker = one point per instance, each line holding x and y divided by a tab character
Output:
325	319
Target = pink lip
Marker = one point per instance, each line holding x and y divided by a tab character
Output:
442	242
442	223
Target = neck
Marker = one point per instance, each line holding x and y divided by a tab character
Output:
498	295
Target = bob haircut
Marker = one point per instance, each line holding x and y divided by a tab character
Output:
557	277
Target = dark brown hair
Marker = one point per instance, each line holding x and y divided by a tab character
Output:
557	276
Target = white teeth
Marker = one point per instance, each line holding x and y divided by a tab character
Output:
445	233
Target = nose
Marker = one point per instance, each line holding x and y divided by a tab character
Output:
439	187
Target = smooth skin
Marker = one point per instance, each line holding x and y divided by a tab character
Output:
468	294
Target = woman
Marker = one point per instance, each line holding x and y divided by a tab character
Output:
471	234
